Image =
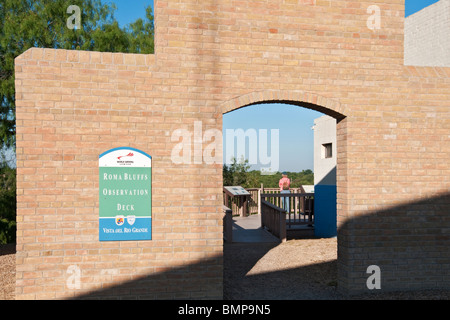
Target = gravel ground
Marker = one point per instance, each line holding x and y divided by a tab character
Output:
295	270
7	271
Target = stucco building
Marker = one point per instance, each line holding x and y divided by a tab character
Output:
325	161
427	42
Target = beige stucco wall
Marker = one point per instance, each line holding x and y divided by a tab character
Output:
427	41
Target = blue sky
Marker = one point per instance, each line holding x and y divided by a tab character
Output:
129	10
294	123
412	6
294	126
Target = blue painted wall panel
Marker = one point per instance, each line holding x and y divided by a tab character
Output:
325	225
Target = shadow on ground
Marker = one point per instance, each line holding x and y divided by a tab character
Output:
241	282
7	249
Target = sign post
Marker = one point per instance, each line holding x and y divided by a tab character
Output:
242	195
125	195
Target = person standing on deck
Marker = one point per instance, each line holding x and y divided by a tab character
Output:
285	185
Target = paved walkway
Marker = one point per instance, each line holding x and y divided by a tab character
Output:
248	229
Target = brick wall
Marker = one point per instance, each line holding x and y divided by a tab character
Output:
72	106
213	57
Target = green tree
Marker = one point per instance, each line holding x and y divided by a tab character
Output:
43	23
237	174
305	177
141	34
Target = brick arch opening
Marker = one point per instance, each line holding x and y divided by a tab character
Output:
327	106
308	100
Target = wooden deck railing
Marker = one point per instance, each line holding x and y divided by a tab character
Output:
273	216
293	206
253	205
274	219
301	210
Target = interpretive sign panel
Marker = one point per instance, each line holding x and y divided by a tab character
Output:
125	195
237	191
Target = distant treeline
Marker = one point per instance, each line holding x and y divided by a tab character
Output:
238	174
305	177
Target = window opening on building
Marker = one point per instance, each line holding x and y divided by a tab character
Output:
327	150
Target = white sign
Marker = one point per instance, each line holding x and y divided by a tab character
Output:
122	157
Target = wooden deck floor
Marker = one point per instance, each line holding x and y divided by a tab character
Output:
248	229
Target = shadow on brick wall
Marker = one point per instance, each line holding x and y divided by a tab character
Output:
194	281
408	242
